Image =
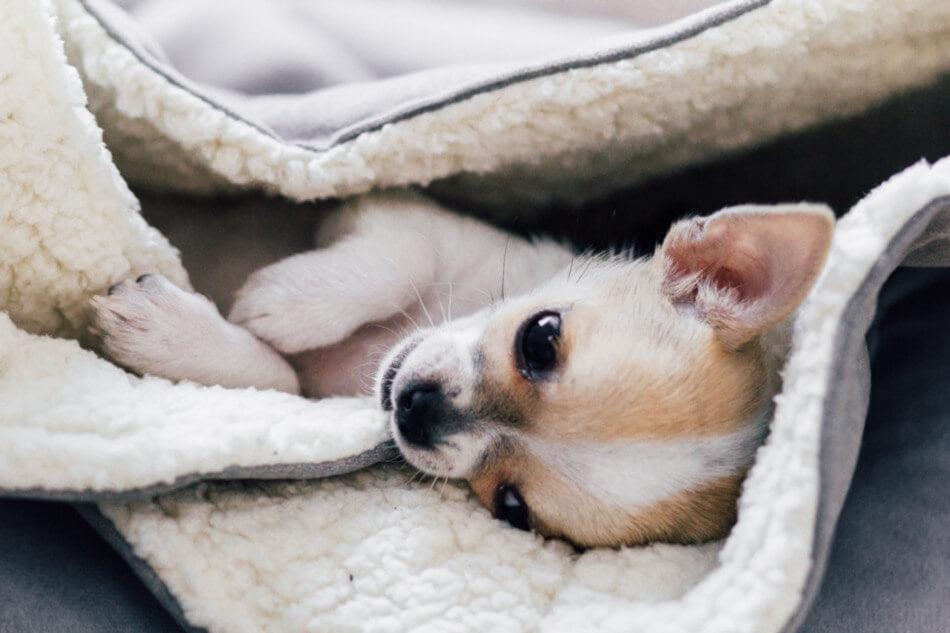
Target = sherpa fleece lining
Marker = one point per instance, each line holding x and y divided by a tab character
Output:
68	223
75	427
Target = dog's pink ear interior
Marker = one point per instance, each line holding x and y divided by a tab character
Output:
745	269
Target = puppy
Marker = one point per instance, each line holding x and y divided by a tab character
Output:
599	398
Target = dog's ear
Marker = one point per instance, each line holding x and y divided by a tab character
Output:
745	269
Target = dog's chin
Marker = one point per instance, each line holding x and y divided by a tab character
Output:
455	456
431	461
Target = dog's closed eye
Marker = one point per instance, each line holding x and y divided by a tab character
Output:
510	506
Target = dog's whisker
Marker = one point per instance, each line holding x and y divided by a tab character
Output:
438	296
432	486
504	266
412	478
590	264
415	324
378	352
422	303
450	300
386	328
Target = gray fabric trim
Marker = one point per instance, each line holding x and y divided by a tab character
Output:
932	246
98	9
414	108
382	452
549	69
847	410
107	530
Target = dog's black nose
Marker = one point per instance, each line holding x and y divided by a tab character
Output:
418	410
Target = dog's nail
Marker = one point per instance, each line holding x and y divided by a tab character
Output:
113	288
142	278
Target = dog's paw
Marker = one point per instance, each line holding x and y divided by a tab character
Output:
148	324
292	317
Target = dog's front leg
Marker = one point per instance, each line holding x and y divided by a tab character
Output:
153	327
319	298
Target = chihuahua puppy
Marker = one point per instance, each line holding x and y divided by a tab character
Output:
600	398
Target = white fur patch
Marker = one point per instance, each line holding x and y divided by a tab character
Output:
463	451
638	473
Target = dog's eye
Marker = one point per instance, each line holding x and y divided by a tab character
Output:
537	344
510	507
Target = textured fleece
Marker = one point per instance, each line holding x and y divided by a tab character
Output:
69	226
72	421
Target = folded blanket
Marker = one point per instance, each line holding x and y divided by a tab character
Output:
88	102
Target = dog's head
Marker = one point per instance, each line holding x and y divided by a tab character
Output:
622	401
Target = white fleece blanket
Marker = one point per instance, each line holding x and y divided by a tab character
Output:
370	550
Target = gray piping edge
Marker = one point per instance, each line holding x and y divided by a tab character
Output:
107	530
408	111
381	452
846	344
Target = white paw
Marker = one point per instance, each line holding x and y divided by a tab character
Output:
149	324
278	307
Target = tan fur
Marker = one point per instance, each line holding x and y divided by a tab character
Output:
662	379
560	510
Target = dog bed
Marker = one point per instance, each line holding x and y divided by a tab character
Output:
222	500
